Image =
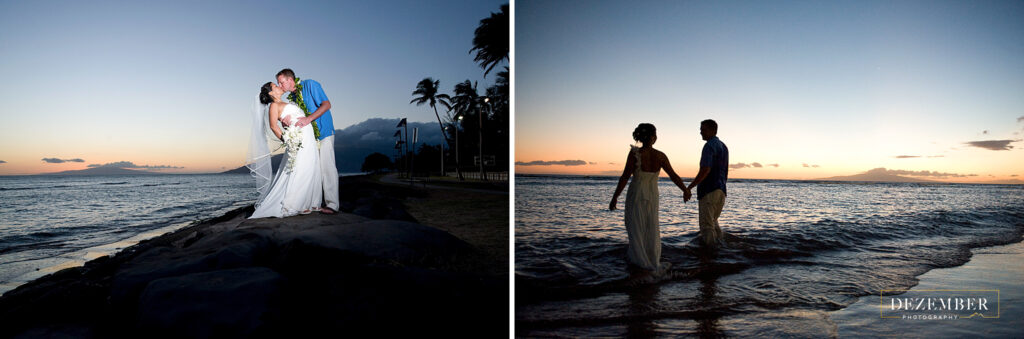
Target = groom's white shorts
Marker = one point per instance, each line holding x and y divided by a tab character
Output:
330	172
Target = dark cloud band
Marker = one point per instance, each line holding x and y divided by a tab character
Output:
549	163
61	161
994	145
751	165
883	170
129	164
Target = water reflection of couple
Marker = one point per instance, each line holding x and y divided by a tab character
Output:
644	164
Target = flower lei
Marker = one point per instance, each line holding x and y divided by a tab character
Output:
296	97
293	142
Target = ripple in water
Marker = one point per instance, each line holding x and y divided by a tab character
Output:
803	247
47	217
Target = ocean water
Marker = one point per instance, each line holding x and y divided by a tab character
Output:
51	222
801	249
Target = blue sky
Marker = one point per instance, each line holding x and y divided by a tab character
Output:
846	85
171	83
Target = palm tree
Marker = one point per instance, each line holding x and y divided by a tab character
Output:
490	40
499	92
464	101
503	82
427	91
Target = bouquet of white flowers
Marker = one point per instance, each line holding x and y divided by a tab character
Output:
292	142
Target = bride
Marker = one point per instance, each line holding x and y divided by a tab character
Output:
296	188
644	164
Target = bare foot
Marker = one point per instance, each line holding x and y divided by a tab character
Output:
327	210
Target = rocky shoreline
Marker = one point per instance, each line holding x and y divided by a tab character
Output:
371	270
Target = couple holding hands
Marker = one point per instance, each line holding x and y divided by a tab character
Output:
644	164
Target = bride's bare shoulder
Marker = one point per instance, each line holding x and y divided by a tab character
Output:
661	156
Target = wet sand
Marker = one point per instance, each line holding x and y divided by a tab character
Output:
999	267
990	268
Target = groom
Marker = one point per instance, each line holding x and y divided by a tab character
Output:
318	111
710	182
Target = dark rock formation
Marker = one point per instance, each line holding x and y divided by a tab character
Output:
333	275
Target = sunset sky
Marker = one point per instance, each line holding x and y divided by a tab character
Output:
169	85
819	89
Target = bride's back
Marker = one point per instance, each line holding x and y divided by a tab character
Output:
651	160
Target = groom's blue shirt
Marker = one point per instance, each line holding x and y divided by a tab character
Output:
314	95
716	156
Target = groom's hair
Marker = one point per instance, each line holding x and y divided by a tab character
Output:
287	72
711	124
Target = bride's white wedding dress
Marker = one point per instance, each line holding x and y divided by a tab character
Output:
642	219
301	190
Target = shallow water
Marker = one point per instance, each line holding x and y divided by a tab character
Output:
800	249
52	221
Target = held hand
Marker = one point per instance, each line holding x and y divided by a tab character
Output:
301	122
611	206
687	195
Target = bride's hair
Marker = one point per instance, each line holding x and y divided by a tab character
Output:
265	94
644	132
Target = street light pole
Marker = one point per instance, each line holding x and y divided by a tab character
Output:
480	131
442	155
457	163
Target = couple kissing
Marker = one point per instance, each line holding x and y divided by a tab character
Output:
307	177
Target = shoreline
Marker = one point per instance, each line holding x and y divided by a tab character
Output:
308	274
80	258
998	267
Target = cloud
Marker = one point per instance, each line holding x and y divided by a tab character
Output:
918	156
61	161
984	132
882	170
593	163
814	166
1021	119
994	145
353	143
1014	175
549	163
751	165
129	164
2	162
371	136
